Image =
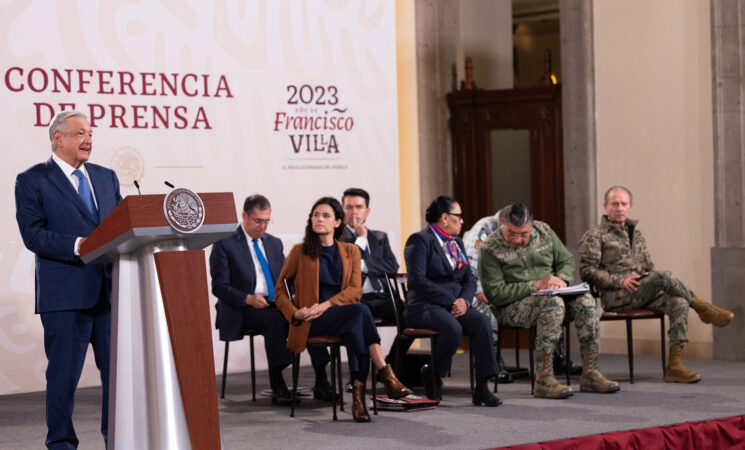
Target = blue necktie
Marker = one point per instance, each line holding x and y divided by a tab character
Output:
85	192
265	269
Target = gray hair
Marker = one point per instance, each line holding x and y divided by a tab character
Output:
517	215
610	189
59	120
502	213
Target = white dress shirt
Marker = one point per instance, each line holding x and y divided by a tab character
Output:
261	287
68	170
363	244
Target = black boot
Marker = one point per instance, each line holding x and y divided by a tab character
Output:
560	362
481	394
322	391
281	396
433	390
503	377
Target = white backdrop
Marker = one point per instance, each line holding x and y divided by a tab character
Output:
292	99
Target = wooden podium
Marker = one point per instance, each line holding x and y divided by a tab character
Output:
162	378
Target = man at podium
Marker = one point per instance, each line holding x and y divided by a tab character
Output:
58	204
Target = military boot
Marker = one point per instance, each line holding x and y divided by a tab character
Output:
546	385
675	371
711	314
592	380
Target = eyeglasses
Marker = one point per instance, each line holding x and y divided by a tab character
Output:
458	215
261	221
513	235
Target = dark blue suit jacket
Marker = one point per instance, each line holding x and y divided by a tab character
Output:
431	280
51	215
234	277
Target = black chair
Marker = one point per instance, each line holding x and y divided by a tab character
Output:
398	291
250	334
333	342
636	314
379	321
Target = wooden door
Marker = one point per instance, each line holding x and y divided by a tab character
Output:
474	114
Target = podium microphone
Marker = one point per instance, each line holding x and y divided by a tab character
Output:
137	185
169	184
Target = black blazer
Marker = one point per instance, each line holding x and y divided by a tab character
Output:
234	277
378	257
431	280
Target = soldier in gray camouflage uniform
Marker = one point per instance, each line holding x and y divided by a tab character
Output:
472	240
523	257
614	259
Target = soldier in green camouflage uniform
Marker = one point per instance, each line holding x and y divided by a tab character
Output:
615	260
525	256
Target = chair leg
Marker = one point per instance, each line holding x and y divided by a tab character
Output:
470	366
397	358
339	379
500	363
517	348
333	380
567	368
531	357
662	343
225	369
295	374
373	381
630	349
435	385
253	371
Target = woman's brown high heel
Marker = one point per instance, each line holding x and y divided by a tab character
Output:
394	388
359	408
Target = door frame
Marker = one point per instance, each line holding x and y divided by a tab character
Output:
474	114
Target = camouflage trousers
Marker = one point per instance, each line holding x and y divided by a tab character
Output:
547	314
658	291
484	309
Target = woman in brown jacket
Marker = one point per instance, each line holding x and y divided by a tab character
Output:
327	280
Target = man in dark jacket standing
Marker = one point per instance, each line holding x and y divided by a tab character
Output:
58	204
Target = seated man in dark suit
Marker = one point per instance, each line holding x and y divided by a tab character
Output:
244	269
377	256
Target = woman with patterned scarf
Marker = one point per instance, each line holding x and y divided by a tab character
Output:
440	289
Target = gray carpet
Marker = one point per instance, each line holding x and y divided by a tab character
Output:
455	424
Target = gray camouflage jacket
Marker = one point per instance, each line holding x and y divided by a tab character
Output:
473	238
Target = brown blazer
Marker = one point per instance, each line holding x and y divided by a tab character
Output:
304	271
